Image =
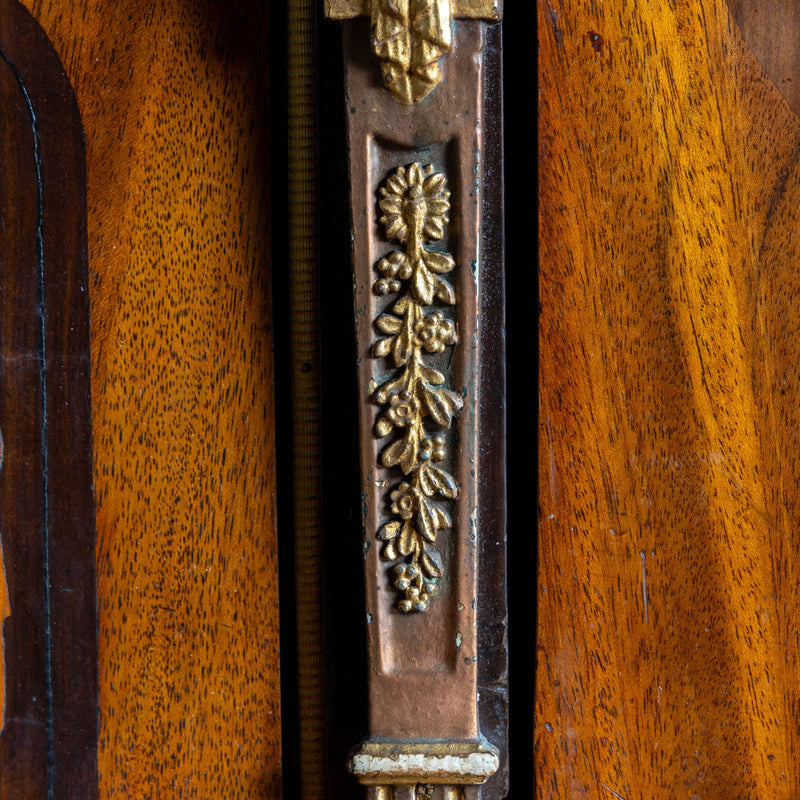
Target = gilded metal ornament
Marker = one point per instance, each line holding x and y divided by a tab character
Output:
417	406
445	770
410	36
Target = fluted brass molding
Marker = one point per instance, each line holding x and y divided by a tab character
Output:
410	36
422	791
417	406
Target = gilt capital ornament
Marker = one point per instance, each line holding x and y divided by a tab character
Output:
411	36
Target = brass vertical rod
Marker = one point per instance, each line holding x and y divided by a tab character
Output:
304	313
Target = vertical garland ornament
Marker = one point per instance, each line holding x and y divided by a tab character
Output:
417	406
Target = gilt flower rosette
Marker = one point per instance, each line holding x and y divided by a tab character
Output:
417	406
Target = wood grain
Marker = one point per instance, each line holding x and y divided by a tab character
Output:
173	101
25	729
668	644
770	27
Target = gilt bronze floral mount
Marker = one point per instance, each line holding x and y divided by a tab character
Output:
418	407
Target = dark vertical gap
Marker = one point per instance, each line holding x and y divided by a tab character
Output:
520	85
279	178
345	621
493	490
43	379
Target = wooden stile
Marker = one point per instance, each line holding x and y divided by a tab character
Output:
668	649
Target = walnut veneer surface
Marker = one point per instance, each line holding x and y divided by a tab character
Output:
771	26
173	103
668	586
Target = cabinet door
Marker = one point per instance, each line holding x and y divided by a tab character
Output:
668	472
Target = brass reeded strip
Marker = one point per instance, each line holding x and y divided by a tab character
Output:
304	314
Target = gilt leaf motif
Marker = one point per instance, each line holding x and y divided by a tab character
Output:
417	407
410	36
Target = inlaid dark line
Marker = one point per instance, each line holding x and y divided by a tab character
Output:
37	154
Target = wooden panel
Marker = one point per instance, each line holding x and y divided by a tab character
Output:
173	101
669	416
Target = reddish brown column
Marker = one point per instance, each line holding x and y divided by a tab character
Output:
416	179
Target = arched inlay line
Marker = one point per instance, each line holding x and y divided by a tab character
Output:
5	613
48	743
37	157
